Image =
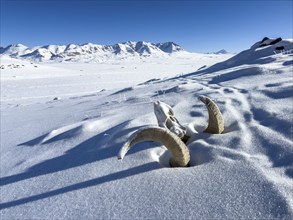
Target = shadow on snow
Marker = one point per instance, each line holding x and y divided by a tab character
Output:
93	182
94	149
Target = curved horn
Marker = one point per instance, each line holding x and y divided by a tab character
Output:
216	121
180	154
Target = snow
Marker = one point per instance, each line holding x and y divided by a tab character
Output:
59	157
223	51
92	52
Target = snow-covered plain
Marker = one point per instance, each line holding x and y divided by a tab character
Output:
59	157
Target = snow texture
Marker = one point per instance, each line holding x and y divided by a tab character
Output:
62	127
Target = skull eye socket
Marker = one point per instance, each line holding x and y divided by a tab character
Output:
171	113
172	118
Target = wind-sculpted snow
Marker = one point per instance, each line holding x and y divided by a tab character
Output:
255	55
58	158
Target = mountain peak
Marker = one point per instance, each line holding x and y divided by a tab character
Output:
169	47
14	49
16	45
223	51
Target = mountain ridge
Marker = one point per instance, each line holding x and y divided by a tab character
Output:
90	51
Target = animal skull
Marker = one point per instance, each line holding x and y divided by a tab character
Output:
166	119
171	133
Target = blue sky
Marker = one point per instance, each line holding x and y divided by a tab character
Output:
198	26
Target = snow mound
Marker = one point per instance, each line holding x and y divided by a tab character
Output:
259	53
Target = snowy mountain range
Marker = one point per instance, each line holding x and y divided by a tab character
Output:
90	52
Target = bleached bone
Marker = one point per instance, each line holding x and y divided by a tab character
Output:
216	121
166	119
172	134
180	154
